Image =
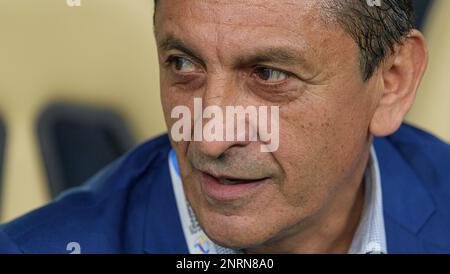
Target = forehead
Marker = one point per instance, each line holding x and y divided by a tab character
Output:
239	11
240	18
228	26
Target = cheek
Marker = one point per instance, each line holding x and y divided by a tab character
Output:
167	100
303	156
172	97
319	146
169	97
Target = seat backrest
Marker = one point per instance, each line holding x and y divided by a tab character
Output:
78	140
421	8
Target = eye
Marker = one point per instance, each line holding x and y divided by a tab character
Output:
270	74
182	64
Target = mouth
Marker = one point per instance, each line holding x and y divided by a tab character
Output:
225	181
227	188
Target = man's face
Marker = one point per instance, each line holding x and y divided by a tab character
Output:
265	53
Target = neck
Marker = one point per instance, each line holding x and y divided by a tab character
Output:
331	230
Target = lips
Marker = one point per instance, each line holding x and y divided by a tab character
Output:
226	188
225	181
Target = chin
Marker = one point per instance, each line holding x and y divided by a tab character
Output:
237	232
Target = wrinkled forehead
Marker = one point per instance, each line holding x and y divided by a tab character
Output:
241	12
240	22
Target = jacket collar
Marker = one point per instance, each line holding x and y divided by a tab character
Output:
407	203
405	199
163	231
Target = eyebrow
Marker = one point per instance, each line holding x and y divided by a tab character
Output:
276	55
172	43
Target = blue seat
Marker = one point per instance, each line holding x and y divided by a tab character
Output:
77	141
421	7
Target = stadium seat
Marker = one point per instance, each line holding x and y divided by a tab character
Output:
77	141
421	7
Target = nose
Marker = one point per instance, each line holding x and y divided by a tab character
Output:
215	149
220	130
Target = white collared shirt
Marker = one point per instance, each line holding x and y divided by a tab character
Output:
370	236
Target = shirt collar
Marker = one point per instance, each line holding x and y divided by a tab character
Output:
370	237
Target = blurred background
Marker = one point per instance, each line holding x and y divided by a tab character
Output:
79	86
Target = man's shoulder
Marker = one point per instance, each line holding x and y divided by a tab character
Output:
94	214
415	177
428	155
425	155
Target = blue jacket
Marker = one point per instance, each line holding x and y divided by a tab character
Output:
129	207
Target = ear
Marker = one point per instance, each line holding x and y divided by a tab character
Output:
400	77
